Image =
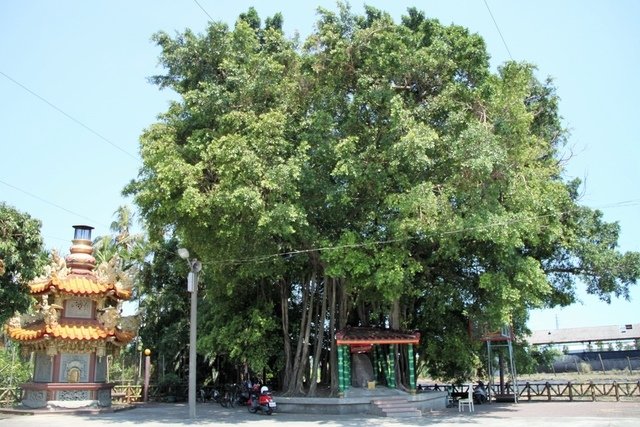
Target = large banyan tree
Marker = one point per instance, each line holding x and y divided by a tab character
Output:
376	174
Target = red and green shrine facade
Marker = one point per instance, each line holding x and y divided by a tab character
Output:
379	346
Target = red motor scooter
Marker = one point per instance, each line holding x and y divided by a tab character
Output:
263	402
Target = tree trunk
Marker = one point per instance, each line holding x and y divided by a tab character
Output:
285	292
394	316
302	350
319	340
343	306
313	286
363	312
395	323
325	372
296	360
402	367
333	353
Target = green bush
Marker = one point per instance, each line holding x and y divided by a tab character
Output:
584	368
122	372
15	369
169	384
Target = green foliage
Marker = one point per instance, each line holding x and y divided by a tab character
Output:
169	383
434	181
123	369
15	369
241	325
164	305
21	259
540	359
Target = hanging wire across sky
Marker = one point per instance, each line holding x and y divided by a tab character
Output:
498	28
203	9
69	116
55	205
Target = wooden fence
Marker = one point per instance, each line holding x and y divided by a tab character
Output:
128	393
10	395
568	391
579	391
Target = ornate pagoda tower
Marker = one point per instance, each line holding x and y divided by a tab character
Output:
75	325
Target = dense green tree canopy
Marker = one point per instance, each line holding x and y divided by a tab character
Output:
21	257
381	161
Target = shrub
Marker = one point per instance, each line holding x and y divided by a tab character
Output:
14	368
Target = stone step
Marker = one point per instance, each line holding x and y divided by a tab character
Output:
389	400
400	409
391	406
395	408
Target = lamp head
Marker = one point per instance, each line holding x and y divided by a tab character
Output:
183	253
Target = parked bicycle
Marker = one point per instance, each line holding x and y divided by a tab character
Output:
224	399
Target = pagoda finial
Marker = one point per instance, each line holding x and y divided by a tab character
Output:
81	260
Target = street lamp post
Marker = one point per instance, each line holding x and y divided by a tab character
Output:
139	376
192	285
147	371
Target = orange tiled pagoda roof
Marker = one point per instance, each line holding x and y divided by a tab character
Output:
366	336
73	331
83	285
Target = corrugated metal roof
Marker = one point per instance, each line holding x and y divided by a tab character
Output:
579	335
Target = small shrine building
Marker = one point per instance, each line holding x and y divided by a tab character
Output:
75	325
380	347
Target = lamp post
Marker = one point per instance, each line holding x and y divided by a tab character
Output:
140	361
147	371
192	286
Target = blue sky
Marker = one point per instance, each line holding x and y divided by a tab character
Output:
74	99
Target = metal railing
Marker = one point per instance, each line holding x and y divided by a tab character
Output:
563	391
580	391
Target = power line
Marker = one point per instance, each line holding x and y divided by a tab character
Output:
200	6
265	258
51	203
498	28
61	111
620	204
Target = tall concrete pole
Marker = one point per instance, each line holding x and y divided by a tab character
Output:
192	341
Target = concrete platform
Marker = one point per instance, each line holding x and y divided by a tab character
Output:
360	401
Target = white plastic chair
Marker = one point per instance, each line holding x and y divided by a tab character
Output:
468	401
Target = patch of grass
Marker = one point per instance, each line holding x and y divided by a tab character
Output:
585	376
620	376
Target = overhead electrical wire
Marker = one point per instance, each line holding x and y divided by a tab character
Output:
498	28
203	9
51	203
266	258
69	116
621	204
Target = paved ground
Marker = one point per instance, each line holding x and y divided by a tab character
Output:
569	414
